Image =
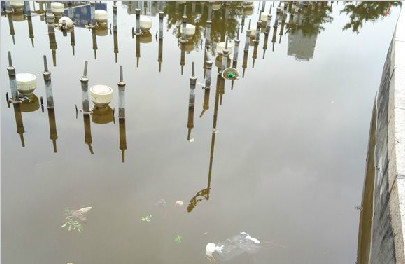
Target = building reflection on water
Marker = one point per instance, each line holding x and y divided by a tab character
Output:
239	25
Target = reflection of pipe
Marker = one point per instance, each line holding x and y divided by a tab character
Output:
13	82
53	132
50	17
225	54
160	55
273	40
93	33
87	131
161	16
254	55
11	25
52	40
207	87
123	138
208	26
183	35
30	31
282	27
27	8
30	28
138	49
244	63
115	31
48	85
19	122
246	49
266	33
247	38
73	40
205	193
266	38
121	96
208	75
115	45
85	95
182	56
93	13
217	94
236	49
7	7
115	16
235	55
138	21
190	118
257	37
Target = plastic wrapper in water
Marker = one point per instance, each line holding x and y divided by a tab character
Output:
233	247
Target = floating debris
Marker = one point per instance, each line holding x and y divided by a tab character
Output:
146	218
75	218
178	239
161	203
232	247
81	213
179	203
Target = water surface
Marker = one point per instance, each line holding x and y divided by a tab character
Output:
281	155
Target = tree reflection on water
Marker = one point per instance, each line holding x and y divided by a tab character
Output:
360	12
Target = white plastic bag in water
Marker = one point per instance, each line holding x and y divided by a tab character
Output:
232	247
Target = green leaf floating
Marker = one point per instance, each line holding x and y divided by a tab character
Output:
146	218
178	239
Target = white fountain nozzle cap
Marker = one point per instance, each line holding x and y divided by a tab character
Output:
101	95
221	47
67	20
146	22
17	4
264	16
26	83
216	7
190	29
57	7
101	16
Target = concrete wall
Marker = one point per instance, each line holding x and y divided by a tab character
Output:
382	219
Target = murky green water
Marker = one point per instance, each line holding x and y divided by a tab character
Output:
281	155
